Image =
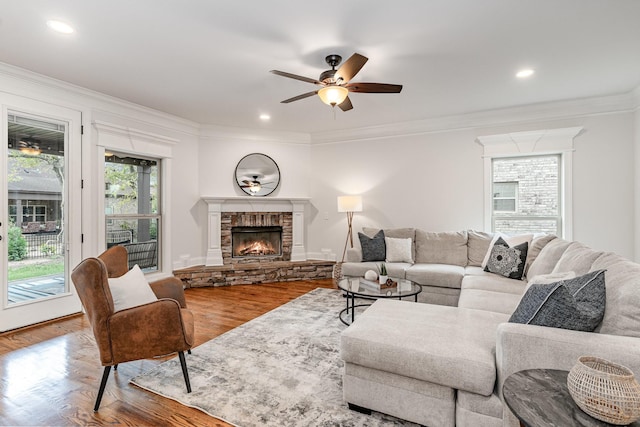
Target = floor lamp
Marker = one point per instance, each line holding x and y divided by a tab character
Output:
349	204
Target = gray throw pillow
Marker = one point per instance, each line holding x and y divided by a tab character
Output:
373	248
506	261
577	304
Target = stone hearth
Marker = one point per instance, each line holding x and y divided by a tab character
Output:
222	269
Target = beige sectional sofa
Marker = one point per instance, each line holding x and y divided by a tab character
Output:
443	362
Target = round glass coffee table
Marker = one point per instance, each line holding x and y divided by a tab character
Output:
357	287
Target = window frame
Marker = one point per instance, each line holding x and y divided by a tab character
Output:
135	142
514	198
110	218
539	142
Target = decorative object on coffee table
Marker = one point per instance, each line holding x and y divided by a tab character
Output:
371	275
382	278
605	390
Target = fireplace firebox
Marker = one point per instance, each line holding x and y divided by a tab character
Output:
256	242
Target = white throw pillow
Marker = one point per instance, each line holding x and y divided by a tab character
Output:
398	250
511	241
131	289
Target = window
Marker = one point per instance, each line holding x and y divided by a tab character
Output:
526	194
132	211
505	196
540	162
34	214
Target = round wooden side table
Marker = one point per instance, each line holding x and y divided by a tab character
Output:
540	398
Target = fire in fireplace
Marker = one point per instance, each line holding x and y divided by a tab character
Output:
256	241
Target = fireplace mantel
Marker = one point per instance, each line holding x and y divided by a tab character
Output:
217	205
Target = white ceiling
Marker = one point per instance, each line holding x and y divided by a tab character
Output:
209	61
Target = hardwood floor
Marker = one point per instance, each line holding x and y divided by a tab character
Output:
50	373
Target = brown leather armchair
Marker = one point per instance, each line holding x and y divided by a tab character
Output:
155	329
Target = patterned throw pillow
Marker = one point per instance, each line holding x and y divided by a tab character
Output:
507	261
577	304
373	248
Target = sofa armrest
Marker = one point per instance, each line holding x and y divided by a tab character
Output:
520	347
354	255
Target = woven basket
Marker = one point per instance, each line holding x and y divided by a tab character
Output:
605	390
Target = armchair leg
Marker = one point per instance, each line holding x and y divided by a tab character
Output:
183	363
103	383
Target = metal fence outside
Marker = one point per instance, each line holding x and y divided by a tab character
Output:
44	245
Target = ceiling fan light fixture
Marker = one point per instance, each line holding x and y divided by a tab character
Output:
333	95
255	188
29	146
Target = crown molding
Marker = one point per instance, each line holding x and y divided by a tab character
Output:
130	133
18	80
217	133
522	114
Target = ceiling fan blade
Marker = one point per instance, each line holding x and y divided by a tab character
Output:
374	88
350	67
296	98
295	76
346	104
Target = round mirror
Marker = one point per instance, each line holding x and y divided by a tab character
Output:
257	174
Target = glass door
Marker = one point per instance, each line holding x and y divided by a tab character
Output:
39	215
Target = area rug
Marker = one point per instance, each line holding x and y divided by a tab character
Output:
280	369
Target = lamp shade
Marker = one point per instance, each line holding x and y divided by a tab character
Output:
349	203
333	95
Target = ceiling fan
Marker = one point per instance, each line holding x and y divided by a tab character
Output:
254	185
336	84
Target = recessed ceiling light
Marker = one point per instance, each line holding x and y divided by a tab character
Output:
60	26
522	74
265	117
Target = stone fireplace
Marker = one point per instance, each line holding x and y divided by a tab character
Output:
243	262
242	212
250	237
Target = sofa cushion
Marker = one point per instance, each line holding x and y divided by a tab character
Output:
497	302
373	248
442	275
357	269
577	258
466	363
550	278
441	248
577	304
399	250
477	246
495	283
548	257
490	406
622	312
507	260
535	247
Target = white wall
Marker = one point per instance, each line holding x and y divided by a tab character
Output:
184	228
433	181
429	180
